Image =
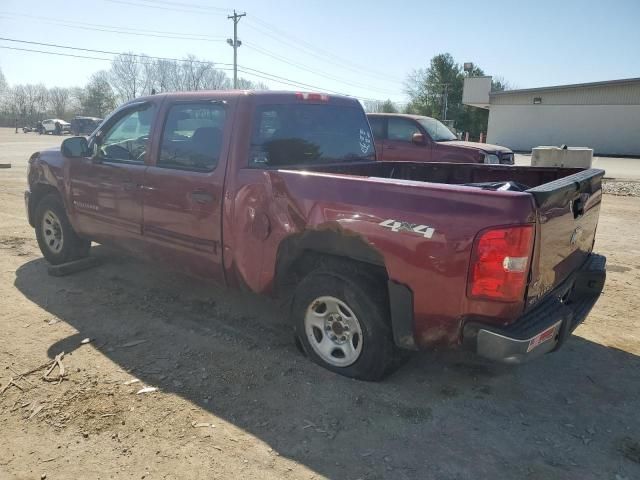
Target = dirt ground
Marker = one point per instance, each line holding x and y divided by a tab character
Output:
235	399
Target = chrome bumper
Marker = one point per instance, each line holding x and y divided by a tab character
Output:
546	327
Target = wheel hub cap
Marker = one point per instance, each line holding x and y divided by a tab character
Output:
52	231
334	331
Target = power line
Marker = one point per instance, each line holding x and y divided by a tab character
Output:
175	9
311	70
190	36
120	30
275	33
245	70
107	52
299	43
55	53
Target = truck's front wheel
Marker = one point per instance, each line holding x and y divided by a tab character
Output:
57	240
342	323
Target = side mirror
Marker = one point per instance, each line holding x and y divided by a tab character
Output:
418	139
75	147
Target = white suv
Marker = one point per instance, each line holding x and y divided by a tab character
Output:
55	126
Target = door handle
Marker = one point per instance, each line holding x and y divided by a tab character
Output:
389	147
201	197
146	188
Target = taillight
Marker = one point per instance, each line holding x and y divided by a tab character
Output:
500	263
312	97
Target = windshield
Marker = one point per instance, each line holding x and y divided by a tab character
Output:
299	134
436	130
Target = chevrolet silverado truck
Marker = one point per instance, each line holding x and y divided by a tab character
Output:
415	138
281	194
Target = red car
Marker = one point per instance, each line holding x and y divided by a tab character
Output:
414	138
281	193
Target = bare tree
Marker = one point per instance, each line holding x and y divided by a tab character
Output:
194	72
59	101
126	76
3	87
216	80
18	103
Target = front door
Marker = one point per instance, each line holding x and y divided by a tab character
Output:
399	142
183	188
106	190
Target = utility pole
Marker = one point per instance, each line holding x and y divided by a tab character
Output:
235	43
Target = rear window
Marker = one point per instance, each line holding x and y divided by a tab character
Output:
300	134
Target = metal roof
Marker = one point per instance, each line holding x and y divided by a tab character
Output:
565	87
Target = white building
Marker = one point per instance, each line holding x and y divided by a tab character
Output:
604	116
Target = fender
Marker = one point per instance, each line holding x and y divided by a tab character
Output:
299	253
44	176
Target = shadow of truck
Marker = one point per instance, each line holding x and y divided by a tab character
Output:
444	415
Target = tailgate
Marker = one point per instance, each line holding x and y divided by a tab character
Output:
567	217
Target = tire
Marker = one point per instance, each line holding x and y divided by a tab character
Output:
344	292
57	240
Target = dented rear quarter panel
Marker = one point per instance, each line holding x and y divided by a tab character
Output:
268	206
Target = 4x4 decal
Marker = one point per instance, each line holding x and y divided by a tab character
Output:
398	226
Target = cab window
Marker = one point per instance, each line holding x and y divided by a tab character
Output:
192	137
304	134
126	140
402	129
377	127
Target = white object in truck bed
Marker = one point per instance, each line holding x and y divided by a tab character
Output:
572	157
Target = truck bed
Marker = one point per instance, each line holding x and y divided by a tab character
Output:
450	173
547	185
566	204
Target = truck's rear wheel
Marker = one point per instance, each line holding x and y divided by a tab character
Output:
341	320
57	240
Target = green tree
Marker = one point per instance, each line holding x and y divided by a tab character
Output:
437	92
98	98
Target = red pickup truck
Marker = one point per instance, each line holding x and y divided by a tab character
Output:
281	193
415	138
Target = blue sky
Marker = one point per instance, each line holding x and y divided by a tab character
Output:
361	48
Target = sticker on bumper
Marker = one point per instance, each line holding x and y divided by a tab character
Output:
542	337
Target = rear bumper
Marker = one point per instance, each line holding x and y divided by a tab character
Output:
548	325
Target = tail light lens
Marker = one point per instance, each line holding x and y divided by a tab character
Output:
500	263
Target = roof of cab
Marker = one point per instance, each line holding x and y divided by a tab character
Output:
277	95
404	115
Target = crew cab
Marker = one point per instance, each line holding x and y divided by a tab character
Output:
281	194
415	138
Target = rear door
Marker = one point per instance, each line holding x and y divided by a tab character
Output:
399	145
183	187
568	211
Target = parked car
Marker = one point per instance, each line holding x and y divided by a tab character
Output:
55	126
280	193
84	125
414	138
27	129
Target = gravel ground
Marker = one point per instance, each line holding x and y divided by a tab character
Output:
625	189
236	400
